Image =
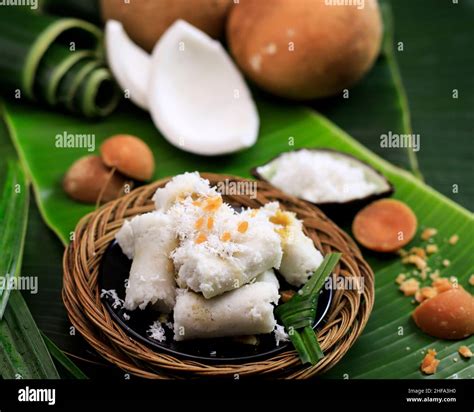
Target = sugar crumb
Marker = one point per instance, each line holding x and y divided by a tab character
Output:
429	365
453	239
428	233
410	287
465	352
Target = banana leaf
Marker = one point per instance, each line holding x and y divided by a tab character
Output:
380	344
433	42
380	352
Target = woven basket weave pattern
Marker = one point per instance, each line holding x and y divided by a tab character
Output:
346	318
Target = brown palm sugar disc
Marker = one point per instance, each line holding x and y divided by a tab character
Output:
385	225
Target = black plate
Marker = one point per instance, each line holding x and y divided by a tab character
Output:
114	271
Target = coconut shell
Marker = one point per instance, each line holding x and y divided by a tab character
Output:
87	177
449	315
342	212
146	20
129	155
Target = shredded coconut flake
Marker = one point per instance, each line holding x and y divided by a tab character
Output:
319	177
112	293
156	332
280	334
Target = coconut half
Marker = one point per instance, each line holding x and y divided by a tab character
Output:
129	63
334	181
198	99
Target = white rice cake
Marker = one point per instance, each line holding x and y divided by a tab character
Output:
244	311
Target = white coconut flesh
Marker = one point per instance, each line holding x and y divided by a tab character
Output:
129	64
320	176
197	98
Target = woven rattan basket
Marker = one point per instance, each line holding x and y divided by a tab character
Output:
345	321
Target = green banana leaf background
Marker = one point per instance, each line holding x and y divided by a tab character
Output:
410	90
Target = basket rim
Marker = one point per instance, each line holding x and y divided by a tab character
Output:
346	319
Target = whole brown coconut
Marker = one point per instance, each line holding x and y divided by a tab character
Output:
304	49
88	179
146	20
130	155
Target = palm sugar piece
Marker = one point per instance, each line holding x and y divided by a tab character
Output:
471	280
418	251
424	293
402	252
448	315
400	278
428	233
423	274
429	365
453	239
226	236
410	287
415	260
465	352
385	225
435	275
286	295
442	285
201	238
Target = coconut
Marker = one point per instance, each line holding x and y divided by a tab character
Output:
129	63
307	48
88	179
197	97
336	182
129	155
146	20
